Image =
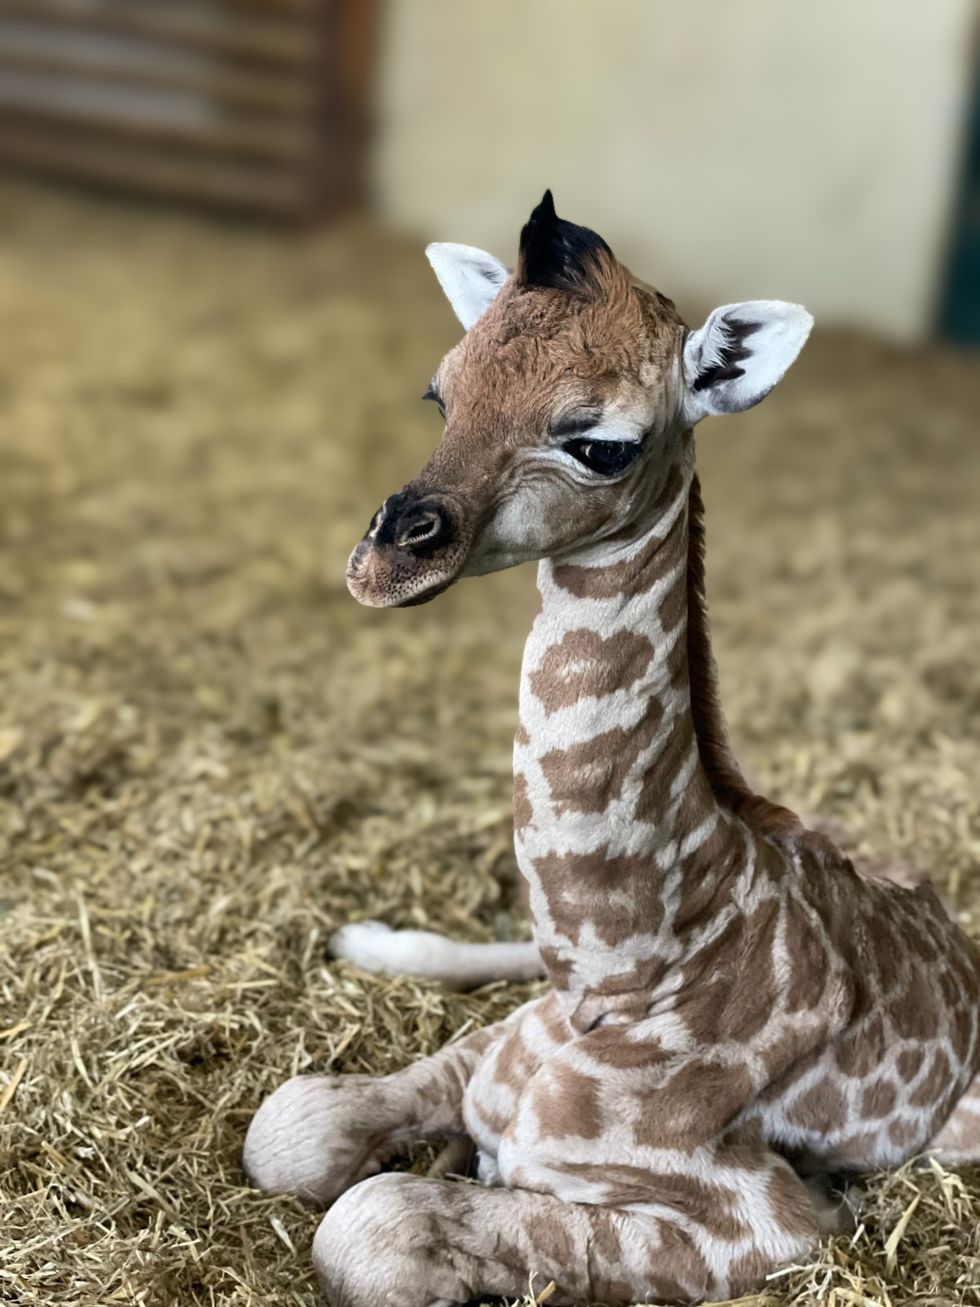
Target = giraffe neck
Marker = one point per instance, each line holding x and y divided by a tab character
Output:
621	820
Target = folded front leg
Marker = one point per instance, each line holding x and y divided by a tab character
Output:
419	1242
318	1135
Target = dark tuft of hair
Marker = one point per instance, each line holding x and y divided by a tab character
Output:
557	254
721	768
734	352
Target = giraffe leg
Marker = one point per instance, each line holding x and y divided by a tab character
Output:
318	1135
375	947
419	1242
958	1142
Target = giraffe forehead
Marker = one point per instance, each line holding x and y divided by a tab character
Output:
537	353
531	378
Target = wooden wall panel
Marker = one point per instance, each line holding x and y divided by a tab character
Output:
256	104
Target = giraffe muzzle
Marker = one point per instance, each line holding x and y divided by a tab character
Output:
412	551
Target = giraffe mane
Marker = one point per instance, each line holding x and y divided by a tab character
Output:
729	785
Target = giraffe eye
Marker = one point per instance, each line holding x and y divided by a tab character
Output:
607	457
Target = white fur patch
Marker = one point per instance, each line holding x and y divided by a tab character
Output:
376	947
471	278
759	339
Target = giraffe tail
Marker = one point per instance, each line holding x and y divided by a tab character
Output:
373	946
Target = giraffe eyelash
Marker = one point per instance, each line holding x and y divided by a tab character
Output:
433	394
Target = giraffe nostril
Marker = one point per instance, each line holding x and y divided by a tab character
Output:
421	530
424	531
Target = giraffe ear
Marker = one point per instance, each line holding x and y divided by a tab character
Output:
470	278
739	355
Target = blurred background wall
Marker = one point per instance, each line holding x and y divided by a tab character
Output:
826	153
807	152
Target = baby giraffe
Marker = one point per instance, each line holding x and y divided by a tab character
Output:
732	1007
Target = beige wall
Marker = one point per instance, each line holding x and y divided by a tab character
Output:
727	151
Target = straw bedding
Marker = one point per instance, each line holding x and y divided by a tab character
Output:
210	757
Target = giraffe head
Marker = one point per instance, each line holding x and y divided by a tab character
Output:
566	404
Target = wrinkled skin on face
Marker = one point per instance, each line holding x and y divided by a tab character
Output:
542	368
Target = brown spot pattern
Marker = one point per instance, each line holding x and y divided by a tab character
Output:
707	877
748	1271
913	1011
933	1084
909	1062
960	1032
689	1274
566	1103
550	1238
586	665
790	1203
861	1049
808	961
514	1061
698	1102
904	1134
878	1099
632	575
858	1150
587	777
654	796
579	886
820	1108
523	812
560	969
614	1049
658	801
714	1206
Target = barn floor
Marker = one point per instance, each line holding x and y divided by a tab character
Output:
210	756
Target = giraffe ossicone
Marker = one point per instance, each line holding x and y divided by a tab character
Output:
733	1008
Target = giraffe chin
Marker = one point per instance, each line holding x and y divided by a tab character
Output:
373	591
427	595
